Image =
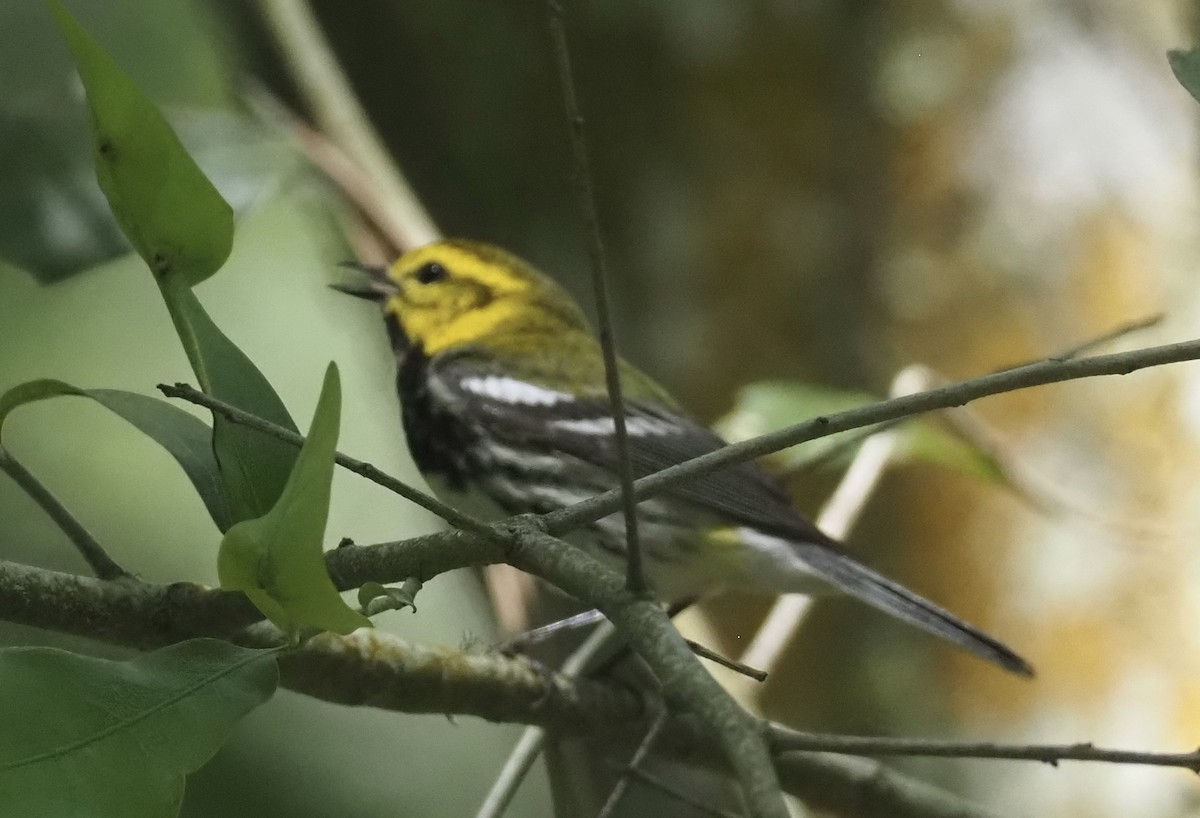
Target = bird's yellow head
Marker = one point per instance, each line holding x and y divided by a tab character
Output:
456	293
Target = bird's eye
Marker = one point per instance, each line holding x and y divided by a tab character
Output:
431	272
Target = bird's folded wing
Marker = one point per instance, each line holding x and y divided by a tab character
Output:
520	413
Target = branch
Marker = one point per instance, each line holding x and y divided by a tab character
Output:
376	669
372	668
685	683
585	198
388	562
785	740
956	394
368	667
867	789
88	546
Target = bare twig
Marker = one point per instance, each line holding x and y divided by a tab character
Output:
742	668
785	740
339	115
639	755
586	200
533	739
956	394
1114	334
448	513
518	764
1090	345
652	780
865	788
104	566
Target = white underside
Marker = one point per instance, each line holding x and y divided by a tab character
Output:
764	562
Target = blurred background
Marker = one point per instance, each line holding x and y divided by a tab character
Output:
794	193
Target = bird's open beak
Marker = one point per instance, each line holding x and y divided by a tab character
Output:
378	287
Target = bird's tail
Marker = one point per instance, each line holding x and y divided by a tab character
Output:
861	582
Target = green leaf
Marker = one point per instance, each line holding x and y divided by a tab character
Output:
166	206
94	737
182	227
1186	67
54	221
278	559
185	437
375	598
769	405
254	466
928	442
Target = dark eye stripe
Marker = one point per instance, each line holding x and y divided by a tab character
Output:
431	272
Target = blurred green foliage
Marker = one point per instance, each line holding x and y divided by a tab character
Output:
107	328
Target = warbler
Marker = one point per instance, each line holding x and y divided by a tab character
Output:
506	411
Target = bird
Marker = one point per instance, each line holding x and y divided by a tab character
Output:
505	409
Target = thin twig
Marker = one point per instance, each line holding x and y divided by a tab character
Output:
533	740
724	661
1090	345
785	740
956	394
339	115
448	513
586	200
104	566
1115	334
837	450
661	784
518	764
639	755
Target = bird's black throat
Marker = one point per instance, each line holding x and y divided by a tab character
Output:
440	443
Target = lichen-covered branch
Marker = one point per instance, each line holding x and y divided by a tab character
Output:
380	670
